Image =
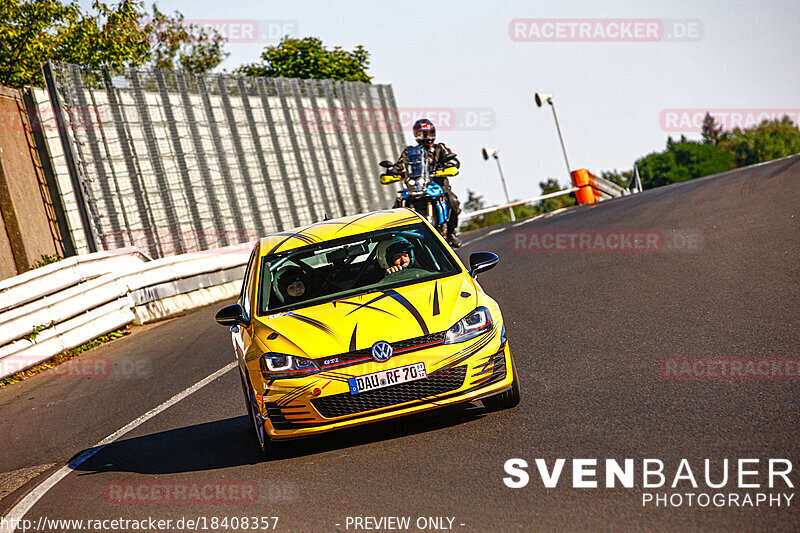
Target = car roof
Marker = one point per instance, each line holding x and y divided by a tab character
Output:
336	228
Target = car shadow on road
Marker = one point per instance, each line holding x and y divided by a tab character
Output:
231	442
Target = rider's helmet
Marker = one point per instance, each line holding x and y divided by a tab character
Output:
391	247
291	285
424	132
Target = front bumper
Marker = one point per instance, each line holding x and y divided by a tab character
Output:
321	403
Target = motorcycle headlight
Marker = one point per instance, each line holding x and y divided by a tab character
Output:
281	366
476	323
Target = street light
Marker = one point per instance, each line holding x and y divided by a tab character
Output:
492	152
541	98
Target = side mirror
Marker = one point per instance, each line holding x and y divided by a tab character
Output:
481	262
386	164
231	315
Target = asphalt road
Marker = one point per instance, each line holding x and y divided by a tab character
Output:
590	332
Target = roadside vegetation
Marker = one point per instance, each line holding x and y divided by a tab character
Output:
718	151
127	35
681	160
475	202
64	356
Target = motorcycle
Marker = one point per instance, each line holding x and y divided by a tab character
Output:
420	192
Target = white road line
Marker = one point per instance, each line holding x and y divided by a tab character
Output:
531	219
19	511
476	239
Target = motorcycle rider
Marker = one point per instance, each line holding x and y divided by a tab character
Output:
425	135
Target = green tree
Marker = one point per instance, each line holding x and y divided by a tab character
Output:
475	203
306	58
772	139
180	46
623	179
559	202
711	133
683	161
35	31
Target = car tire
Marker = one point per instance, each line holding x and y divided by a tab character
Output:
263	440
506	399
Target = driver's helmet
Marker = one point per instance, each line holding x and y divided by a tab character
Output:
389	248
424	132
291	285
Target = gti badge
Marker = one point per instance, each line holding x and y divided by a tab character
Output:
381	351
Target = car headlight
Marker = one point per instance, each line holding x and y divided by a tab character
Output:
281	366
476	323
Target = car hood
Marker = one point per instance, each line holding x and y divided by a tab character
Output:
360	321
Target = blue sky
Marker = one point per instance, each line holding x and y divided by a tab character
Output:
457	54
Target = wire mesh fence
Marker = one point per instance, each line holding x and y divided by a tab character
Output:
171	162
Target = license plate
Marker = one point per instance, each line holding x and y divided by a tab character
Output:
387	378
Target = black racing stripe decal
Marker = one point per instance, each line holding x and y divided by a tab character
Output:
409	307
361	218
382	296
367	306
491	363
399	222
353	339
469	351
314	322
436	298
291	396
307	239
334	378
339	374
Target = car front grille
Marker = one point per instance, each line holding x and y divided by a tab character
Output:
344	404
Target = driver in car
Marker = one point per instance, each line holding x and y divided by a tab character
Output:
291	285
395	254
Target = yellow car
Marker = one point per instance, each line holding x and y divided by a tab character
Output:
364	318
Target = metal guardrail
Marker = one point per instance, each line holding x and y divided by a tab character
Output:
472	214
68	303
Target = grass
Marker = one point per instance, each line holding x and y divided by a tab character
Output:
64	356
46	260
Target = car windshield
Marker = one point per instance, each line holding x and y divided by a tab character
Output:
345	267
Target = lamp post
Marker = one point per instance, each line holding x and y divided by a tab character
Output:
492	152
541	98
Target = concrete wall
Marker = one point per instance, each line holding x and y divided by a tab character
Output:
28	229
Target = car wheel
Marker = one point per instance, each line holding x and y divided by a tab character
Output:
264	442
246	396
506	399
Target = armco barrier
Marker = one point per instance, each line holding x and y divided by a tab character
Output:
68	303
49	279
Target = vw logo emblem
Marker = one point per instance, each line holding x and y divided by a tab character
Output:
381	351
